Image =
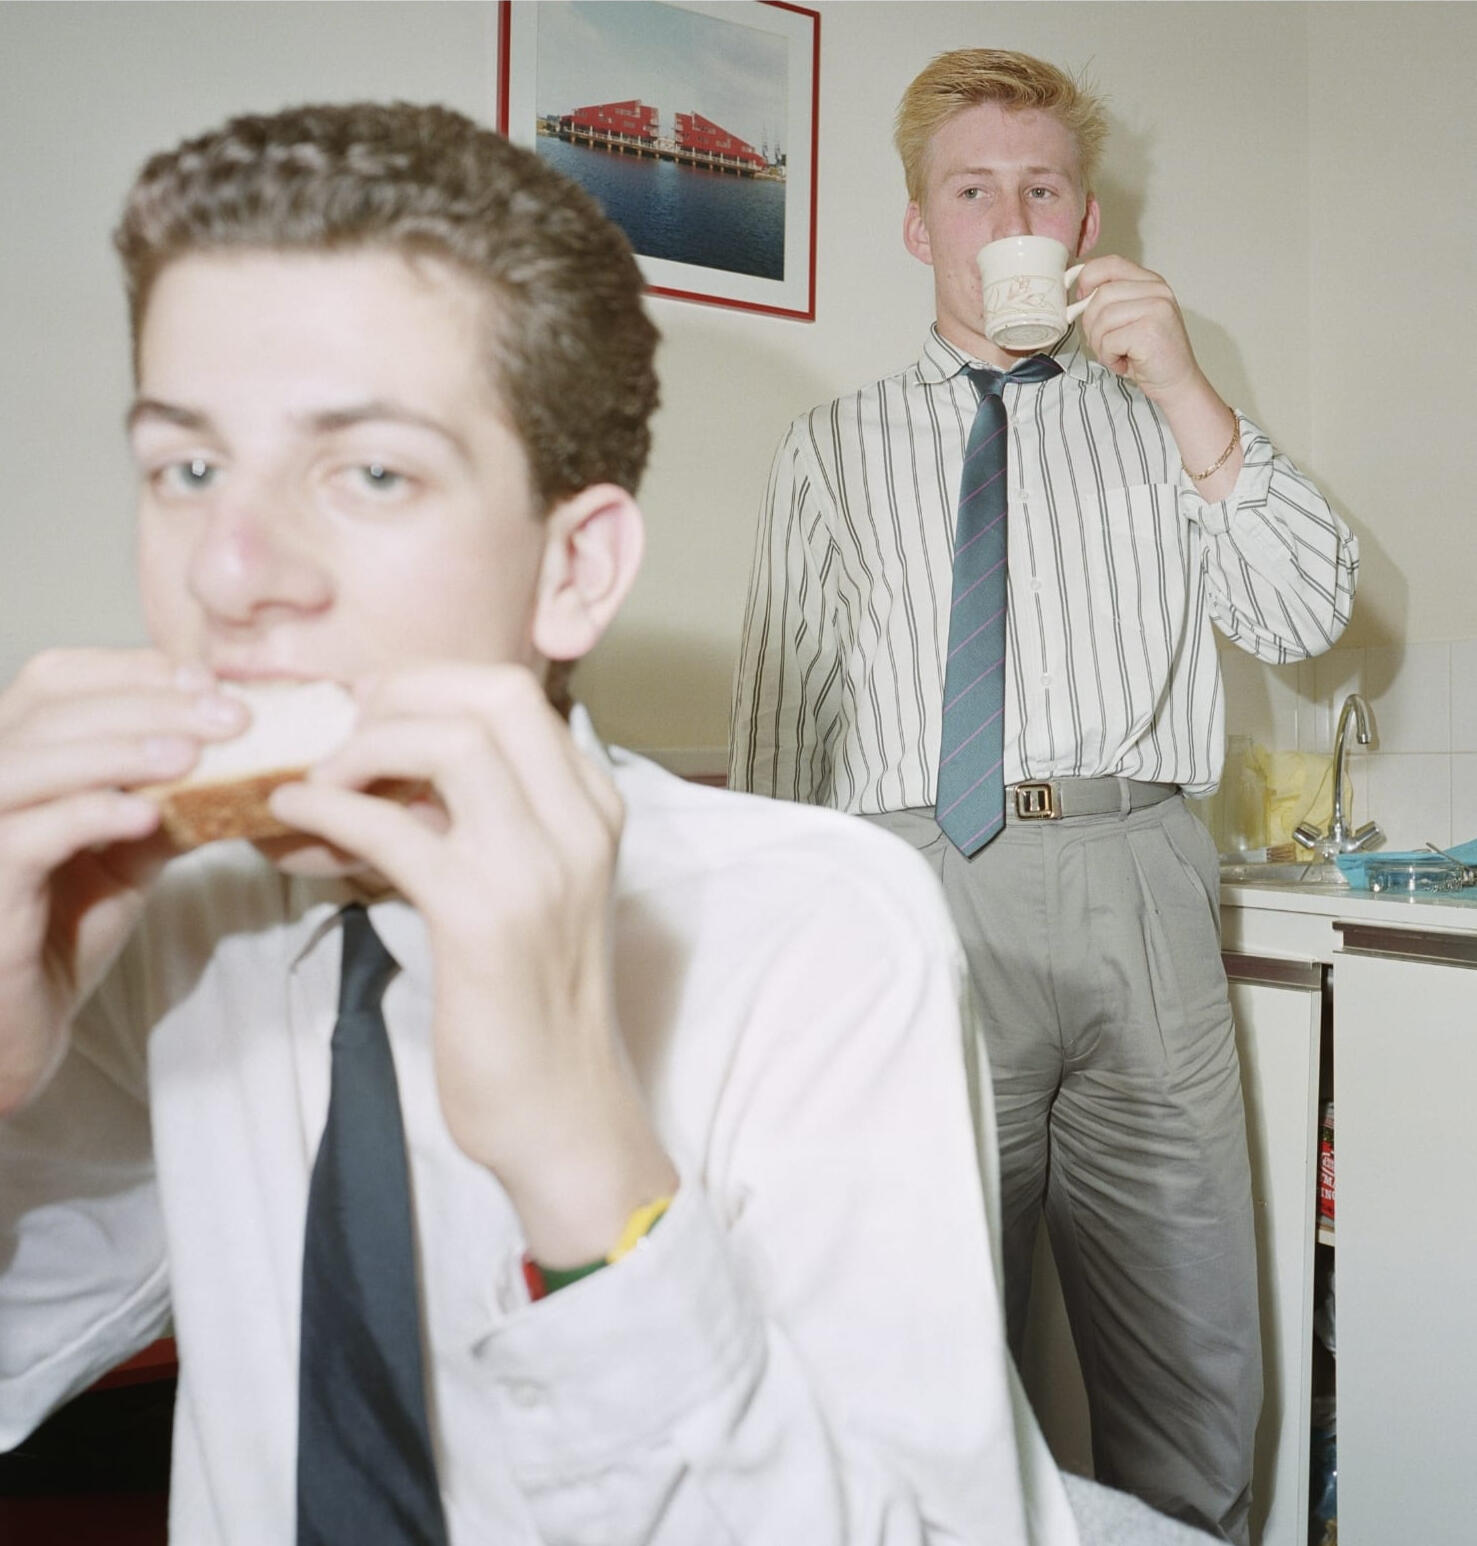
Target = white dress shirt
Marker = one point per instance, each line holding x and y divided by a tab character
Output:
1119	572
808	1351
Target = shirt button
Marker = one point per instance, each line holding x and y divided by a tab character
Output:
524	1393
1046	679
1036	585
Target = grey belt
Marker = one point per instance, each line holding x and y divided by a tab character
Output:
1060	799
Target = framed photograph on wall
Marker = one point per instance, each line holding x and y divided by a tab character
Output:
693	124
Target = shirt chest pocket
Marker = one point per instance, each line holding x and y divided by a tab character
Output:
1137	558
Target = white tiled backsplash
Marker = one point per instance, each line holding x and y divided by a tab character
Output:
1419	780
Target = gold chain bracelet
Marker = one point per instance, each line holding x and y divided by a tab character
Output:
1224	457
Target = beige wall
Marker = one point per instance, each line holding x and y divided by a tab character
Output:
1265	158
1392	192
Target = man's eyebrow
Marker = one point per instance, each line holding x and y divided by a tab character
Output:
329	421
151	408
325	421
994	171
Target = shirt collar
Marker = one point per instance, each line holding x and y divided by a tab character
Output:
942	361
583	731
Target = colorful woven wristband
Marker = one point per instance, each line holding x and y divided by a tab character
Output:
543	1281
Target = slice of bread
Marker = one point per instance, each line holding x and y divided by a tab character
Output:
293	725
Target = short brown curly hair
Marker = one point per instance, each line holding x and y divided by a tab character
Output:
965	77
572	347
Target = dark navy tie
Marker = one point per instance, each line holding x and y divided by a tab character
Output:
365	1472
971	784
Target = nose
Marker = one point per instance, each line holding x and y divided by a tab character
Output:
1013	216
254	561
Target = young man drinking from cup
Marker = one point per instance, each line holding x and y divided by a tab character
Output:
1029	726
555	1152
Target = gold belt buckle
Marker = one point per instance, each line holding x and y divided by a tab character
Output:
1036	801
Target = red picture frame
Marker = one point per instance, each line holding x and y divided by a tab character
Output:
694	124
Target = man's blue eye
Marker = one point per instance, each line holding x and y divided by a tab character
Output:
196	473
377	475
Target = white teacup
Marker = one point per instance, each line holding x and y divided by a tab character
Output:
1024	282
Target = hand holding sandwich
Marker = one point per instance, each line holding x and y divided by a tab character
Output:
80	730
513	880
511	871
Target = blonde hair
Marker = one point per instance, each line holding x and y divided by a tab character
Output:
965	77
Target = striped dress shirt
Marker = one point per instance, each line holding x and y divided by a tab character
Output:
1119	571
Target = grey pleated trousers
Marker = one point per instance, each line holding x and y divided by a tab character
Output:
1093	944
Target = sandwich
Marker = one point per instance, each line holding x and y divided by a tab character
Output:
293	725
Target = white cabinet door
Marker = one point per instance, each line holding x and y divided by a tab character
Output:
1405	1085
1277	1006
1278	1010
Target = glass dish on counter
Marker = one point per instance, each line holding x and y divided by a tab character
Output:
1419	874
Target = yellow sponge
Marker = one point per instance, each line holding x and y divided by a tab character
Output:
1299	788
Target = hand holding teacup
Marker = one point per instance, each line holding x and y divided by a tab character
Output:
1132	323
1130	318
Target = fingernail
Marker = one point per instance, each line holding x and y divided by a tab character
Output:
143	812
220	712
191	676
168	753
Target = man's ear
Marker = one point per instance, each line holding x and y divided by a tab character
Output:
1092	222
592	549
915	234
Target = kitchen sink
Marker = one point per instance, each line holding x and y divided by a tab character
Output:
1313	872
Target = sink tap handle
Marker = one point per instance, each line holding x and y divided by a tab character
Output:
1307	835
1367	836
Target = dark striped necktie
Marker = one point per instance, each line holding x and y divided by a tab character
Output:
365	1471
971	784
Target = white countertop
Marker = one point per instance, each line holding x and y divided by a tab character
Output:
1303	923
1432	911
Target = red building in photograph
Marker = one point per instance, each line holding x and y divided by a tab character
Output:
631	121
633	128
703	137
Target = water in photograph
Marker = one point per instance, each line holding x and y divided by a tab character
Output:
680	213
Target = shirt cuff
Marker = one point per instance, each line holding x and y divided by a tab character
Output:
616	1360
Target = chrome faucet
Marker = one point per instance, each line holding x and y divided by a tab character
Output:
1339	839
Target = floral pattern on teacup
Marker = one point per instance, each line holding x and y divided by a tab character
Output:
1031	293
